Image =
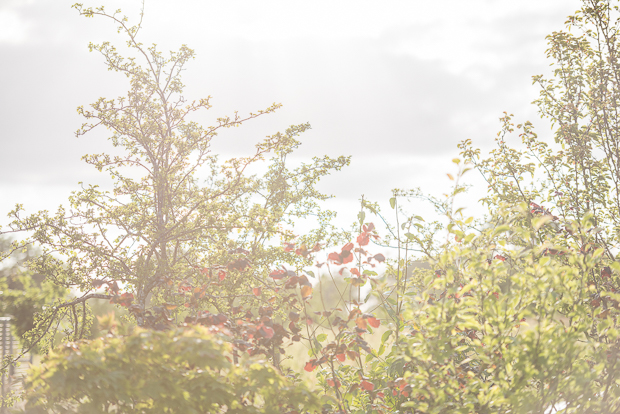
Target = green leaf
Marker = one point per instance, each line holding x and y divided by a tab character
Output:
501	229
393	202
381	350
598	252
321	337
538	222
386	335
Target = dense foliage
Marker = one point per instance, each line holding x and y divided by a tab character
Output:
180	370
23	293
176	215
515	312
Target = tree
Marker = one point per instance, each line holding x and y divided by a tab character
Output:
515	312
176	215
546	256
24	293
519	311
179	225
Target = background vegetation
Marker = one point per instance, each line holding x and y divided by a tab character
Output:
515	311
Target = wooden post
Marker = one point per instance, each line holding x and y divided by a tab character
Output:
7	349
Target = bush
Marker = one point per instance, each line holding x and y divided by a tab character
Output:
183	370
513	313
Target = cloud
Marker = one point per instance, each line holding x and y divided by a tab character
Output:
360	97
396	85
13	27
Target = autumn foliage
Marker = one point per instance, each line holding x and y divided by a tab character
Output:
513	312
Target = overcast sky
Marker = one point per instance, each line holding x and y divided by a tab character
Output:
395	84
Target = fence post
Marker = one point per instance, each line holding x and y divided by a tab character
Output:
7	349
6	342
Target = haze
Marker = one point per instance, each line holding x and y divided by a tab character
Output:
395	84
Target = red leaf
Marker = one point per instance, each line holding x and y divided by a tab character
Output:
353	355
221	275
500	257
289	247
291	282
603	314
606	272
278	274
347	256
363	239
124	300
341	357
303	251
334	257
265	331
361	323
355	272
379	257
310	365
113	286
333	383
358	281
306	291
97	283
294	328
554	252
239	264
368	386
374	322
354	313
257	291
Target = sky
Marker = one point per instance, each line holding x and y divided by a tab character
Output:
395	84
